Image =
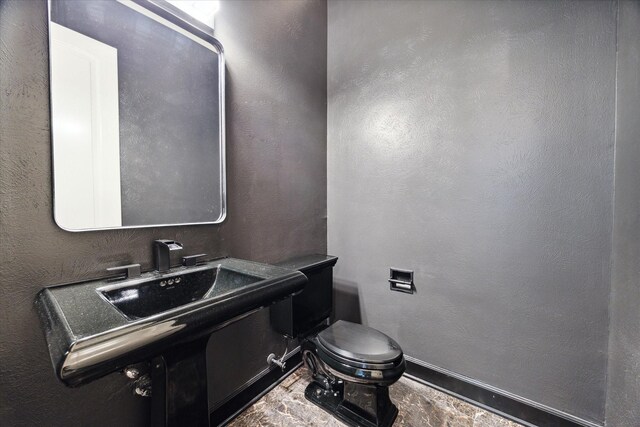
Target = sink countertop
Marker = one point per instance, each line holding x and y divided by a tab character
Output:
308	262
88	337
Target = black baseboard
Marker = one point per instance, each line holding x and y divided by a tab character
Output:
253	392
491	400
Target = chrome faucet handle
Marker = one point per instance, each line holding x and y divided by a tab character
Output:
191	260
129	271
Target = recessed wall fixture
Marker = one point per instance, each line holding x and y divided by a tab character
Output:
202	10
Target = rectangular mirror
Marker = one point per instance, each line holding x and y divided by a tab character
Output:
137	116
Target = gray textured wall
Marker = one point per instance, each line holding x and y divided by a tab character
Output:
169	151
473	143
277	194
624	344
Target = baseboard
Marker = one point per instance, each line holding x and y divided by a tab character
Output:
490	398
253	391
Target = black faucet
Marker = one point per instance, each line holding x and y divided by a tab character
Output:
162	251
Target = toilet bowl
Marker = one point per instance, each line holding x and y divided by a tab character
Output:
360	354
352	365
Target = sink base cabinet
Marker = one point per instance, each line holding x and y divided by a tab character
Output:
179	386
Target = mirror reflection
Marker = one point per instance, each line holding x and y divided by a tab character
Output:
137	107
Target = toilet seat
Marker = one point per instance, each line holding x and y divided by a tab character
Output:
358	353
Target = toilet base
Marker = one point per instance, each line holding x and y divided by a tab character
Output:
354	404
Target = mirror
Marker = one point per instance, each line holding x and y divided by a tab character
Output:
137	116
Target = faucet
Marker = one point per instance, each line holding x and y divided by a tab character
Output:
161	253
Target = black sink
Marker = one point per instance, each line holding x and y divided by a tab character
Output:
143	298
100	326
160	321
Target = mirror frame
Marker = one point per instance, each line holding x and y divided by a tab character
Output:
174	18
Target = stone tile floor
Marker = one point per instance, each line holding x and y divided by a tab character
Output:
418	405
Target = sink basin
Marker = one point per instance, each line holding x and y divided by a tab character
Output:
97	327
143	298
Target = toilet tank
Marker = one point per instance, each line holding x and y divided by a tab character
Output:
302	313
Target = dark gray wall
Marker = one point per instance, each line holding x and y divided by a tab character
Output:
276	54
277	132
473	143
168	107
624	351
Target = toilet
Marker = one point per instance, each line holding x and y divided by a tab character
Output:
352	365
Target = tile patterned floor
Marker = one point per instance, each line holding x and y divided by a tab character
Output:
418	405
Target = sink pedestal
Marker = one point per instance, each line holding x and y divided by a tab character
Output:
179	386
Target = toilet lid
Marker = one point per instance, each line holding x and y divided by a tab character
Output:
360	343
